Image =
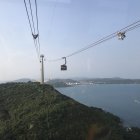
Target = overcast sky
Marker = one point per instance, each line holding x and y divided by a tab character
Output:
66	26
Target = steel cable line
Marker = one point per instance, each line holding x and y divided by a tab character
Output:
91	45
130	25
36	47
105	38
54	60
37	44
32	16
132	28
28	16
125	29
37	25
32	28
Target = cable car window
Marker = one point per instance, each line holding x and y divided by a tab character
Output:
63	67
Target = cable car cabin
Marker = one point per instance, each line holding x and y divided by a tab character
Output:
64	67
121	35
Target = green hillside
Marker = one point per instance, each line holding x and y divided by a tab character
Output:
30	111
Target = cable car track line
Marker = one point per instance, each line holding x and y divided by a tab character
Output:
124	30
28	16
32	26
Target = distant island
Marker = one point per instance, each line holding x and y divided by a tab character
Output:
79	81
91	81
62	82
30	111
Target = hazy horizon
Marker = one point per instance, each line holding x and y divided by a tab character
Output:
73	78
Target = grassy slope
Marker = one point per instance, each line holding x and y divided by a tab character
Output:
39	112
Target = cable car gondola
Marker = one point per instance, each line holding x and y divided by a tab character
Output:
64	66
121	35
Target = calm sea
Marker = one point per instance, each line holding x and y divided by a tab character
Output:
122	100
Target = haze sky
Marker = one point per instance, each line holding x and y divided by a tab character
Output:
67	26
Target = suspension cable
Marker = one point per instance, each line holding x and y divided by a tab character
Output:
125	29
32	15
37	25
28	16
33	31
105	38
132	28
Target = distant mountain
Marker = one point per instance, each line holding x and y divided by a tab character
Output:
115	80
24	80
62	80
71	82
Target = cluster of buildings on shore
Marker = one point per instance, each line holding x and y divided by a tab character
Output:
73	83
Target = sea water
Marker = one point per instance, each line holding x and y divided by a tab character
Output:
122	100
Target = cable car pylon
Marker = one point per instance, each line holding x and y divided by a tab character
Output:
42	68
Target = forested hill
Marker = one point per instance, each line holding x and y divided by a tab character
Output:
30	111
